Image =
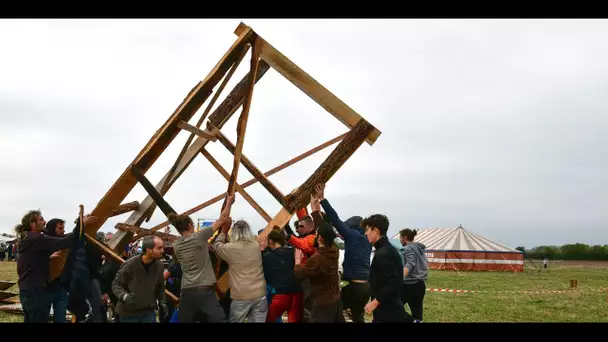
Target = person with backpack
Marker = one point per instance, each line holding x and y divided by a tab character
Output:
415	272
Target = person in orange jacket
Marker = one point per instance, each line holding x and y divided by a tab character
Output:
305	241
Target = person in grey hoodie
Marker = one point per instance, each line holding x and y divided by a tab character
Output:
415	272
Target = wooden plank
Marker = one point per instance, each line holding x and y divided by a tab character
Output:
330	166
159	142
254	180
239	188
124	208
108	252
241	128
203	134
156	196
310	86
219	117
6	284
280	219
4	295
274	191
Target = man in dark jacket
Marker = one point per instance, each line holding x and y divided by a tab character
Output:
386	274
279	262
34	250
322	270
139	285
356	265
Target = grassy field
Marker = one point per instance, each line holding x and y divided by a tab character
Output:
586	304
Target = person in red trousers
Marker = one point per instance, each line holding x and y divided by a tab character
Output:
278	262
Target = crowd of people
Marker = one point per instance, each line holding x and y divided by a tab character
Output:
275	272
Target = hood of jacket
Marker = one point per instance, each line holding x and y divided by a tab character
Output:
418	245
354	222
331	252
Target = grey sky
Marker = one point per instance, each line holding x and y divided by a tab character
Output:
498	125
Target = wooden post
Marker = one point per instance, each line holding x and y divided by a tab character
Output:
242	123
330	166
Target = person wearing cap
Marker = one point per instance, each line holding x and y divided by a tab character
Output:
56	228
140	286
357	254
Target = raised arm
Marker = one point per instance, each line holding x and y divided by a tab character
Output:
206	233
340	226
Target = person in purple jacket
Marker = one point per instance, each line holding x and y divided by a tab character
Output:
357	253
33	268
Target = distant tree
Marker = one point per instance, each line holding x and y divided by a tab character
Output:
521	249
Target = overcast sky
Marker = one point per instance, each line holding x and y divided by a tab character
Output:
498	125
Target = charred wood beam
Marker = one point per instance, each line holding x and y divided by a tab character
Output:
330	166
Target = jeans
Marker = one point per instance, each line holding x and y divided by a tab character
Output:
146	317
254	310
60	304
36	304
200	304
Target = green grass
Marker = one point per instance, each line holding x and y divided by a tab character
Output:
587	304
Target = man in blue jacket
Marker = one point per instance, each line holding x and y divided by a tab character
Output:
357	253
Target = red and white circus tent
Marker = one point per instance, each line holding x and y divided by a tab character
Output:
459	249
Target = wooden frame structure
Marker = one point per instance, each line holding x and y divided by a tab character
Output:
263	57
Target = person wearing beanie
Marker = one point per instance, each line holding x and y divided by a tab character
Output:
357	254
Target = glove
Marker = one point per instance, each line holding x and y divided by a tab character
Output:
288	231
128	299
163	312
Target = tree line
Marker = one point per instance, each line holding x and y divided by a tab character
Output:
577	251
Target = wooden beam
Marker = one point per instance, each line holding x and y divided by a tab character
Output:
159	142
309	85
110	253
166	185
203	134
241	127
156	196
274	191
219	117
254	180
128	228
239	188
330	166
124	208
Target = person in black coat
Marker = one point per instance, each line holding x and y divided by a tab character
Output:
386	274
